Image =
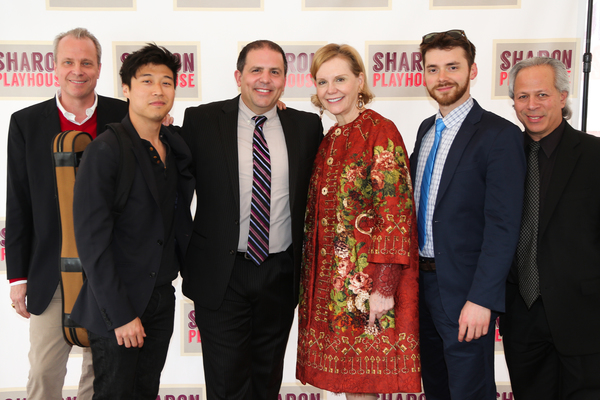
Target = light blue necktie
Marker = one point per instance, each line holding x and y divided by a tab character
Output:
426	182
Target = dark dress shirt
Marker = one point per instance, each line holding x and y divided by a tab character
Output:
166	183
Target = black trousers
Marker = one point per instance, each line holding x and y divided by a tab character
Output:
537	370
243	342
134	373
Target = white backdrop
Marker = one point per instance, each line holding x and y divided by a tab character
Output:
218	34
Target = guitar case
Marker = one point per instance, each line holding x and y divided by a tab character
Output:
67	148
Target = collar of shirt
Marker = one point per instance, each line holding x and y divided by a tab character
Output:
154	156
458	115
550	142
247	114
70	116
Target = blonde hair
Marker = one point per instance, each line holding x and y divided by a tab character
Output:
355	63
78	33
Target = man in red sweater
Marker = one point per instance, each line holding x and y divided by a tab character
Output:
32	221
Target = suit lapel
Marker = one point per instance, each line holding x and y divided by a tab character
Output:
228	122
425	126
568	153
290	134
462	139
101	116
52	121
183	162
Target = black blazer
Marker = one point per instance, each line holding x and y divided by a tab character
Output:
32	221
121	255
477	210
569	246
211	132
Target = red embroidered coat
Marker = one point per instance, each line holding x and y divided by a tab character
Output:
360	213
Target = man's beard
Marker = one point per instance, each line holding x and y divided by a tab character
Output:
448	98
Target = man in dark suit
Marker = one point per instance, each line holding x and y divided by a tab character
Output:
245	293
553	292
468	170
127	302
32	221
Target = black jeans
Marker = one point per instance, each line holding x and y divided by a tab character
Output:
134	373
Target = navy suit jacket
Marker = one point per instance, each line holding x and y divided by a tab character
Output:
32	221
569	246
211	132
477	212
121	255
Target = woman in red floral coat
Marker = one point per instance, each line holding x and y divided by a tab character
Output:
358	314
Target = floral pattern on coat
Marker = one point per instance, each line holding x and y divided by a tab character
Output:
360	213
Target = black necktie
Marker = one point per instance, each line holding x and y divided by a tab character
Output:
529	278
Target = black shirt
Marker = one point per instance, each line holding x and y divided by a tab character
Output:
546	158
166	176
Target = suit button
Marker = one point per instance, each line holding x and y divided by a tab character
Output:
152	274
237	222
324	221
324	191
323	252
160	242
232	252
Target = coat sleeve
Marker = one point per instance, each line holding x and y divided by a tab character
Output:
94	222
19	213
504	180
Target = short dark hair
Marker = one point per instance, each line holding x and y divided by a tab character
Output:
257	45
149	54
447	41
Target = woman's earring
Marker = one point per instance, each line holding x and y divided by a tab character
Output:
321	112
360	103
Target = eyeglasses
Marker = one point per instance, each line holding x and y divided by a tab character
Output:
454	33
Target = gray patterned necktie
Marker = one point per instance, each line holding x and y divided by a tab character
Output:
529	278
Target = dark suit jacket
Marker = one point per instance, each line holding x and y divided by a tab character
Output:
569	246
477	212
121	255
211	132
32	221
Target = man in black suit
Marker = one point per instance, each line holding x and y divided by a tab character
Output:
553	293
127	302
468	171
32	221
244	304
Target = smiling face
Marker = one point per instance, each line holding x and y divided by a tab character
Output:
448	76
77	69
538	103
262	81
338	88
151	94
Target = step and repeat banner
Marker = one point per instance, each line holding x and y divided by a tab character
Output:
207	36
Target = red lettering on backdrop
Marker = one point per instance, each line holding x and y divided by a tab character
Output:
376	78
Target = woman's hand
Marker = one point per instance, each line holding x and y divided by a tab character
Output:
379	306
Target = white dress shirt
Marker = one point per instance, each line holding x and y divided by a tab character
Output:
280	231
